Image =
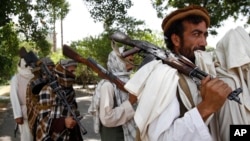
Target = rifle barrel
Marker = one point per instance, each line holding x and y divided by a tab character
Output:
130	52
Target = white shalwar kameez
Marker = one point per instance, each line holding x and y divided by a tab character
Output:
18	99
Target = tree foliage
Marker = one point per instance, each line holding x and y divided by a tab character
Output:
33	19
220	10
26	22
108	11
97	48
9	42
113	14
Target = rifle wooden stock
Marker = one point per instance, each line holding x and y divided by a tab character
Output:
102	72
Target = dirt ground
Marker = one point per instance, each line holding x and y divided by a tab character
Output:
4	97
83	98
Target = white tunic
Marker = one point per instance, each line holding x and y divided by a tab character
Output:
158	110
18	99
110	116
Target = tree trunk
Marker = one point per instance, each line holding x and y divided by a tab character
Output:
54	32
61	31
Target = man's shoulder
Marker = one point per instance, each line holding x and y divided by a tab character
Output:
13	78
105	83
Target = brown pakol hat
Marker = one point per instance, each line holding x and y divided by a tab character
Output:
183	12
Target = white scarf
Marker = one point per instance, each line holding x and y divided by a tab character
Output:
152	92
25	71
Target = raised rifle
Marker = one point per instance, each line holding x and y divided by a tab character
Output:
101	71
179	62
32	60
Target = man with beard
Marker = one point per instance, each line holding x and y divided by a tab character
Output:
173	106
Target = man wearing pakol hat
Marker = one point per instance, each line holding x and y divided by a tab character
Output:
55	121
172	107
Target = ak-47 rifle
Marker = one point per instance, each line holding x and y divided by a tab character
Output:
101	71
32	60
179	62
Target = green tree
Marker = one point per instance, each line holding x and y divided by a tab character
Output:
113	15
34	19
219	10
57	56
56	9
9	45
25	23
98	47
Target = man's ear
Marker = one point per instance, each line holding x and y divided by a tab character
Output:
176	41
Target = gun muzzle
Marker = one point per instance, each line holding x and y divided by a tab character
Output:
130	52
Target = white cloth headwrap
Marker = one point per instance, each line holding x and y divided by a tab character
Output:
118	67
24	71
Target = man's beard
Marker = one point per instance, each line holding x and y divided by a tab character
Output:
188	53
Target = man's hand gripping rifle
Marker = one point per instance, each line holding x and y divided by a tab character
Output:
32	60
182	64
101	71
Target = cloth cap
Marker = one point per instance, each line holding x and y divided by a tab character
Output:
184	12
47	61
64	77
115	63
68	62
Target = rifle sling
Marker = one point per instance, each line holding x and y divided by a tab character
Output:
183	84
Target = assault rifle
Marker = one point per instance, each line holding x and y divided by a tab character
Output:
182	64
32	60
101	71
